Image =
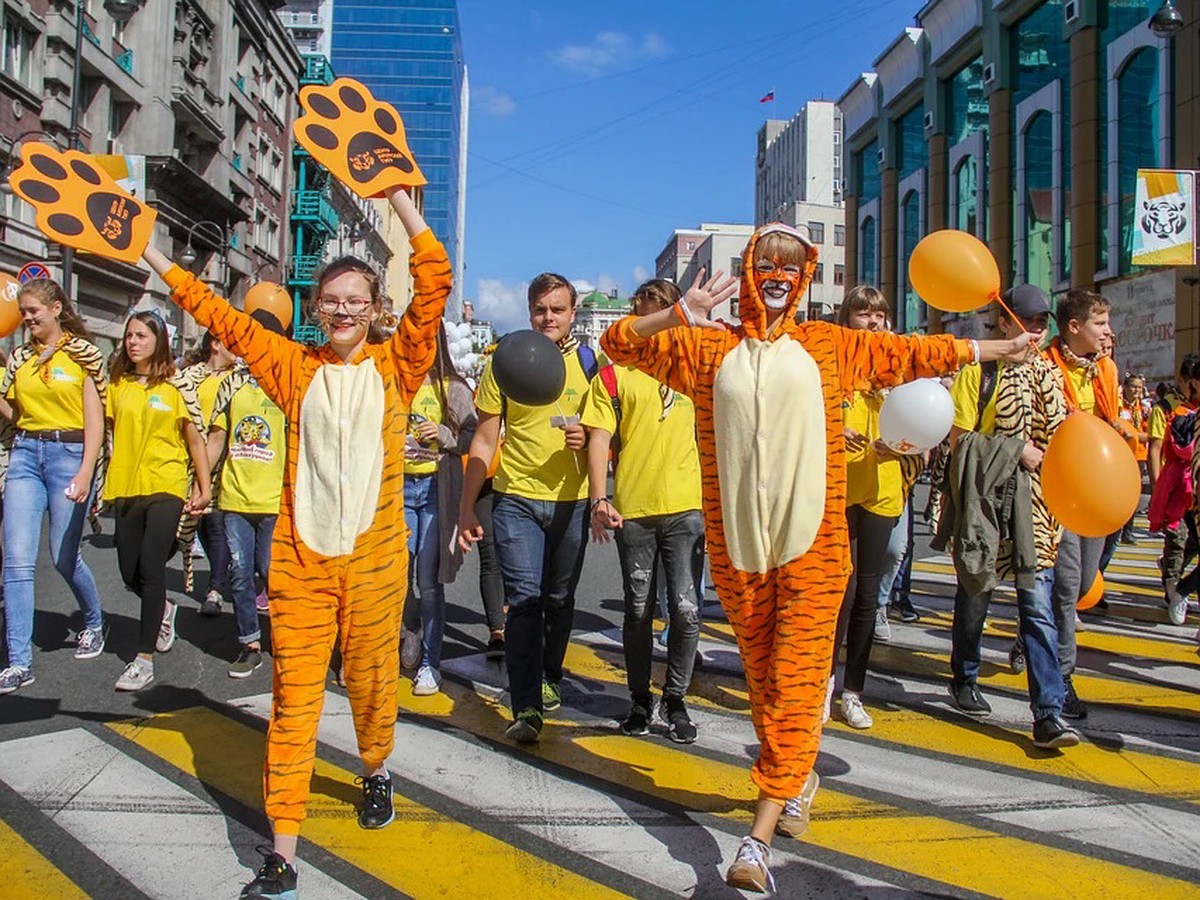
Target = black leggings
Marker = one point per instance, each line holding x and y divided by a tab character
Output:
145	538
869	536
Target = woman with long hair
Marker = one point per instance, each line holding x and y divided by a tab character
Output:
53	392
440	427
155	439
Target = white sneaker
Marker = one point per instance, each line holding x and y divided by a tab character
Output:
410	648
828	700
166	631
750	871
427	682
883	628
1177	604
136	676
853	712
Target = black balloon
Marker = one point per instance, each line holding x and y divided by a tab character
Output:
529	368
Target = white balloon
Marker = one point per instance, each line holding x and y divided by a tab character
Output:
916	417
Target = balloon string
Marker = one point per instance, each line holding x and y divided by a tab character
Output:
1011	314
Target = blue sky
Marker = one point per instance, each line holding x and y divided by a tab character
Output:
598	128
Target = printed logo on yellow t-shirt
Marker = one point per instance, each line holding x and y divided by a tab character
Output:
155	402
58	373
252	440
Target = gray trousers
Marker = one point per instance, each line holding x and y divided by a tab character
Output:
1075	569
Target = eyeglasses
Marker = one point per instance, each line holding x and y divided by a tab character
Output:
352	305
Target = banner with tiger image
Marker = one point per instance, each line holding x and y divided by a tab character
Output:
1164	218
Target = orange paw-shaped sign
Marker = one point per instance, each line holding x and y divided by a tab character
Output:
78	203
357	138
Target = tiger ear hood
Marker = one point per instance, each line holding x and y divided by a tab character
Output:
751	309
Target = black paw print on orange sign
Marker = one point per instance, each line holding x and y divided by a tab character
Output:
357	138
78	203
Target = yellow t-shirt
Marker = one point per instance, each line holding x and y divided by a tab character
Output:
150	455
421	458
1156	426
53	405
965	394
255	454
1084	392
206	392
536	463
871	483
658	470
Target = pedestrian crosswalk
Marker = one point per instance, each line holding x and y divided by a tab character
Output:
169	804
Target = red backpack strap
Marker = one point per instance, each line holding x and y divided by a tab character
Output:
608	377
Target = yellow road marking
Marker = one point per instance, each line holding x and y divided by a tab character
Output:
877	832
422	853
27	875
1089	763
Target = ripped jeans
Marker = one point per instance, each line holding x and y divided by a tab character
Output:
678	540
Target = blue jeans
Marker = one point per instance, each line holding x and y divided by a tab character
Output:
893	557
216	548
248	536
539	544
424	557
1035	616
39	473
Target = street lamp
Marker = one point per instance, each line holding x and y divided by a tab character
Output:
189	256
1167	21
121	11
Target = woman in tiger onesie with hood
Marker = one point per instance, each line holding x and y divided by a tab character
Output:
768	397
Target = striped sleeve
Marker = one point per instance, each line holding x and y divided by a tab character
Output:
681	358
880	359
273	359
414	345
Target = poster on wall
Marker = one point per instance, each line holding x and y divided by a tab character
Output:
1164	221
1143	319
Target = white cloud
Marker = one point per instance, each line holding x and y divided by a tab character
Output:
608	52
504	305
493	102
605	284
583	286
640	274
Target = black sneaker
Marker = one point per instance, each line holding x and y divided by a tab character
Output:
1016	657
377	809
1073	707
637	722
276	880
526	726
966	698
680	727
903	607
248	660
1053	732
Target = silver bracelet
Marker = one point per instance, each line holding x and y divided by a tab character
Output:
975	350
687	315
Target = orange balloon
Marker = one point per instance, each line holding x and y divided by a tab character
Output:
272	298
1094	593
10	313
1090	479
954	271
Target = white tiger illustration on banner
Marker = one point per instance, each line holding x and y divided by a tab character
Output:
1164	226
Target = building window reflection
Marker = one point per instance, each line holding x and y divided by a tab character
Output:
1138	131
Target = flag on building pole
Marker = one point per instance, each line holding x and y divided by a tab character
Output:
1164	218
768	97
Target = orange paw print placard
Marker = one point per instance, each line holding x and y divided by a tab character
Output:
78	203
357	138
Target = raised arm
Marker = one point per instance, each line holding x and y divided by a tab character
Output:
273	359
414	345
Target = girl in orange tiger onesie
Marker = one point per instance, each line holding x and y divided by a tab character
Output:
339	556
768	398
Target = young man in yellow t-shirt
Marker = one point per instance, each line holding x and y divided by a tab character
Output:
248	439
539	517
655	512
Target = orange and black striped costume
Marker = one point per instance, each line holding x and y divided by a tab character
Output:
773	463
339	557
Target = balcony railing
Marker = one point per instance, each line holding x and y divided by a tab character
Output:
303	269
311	206
317	70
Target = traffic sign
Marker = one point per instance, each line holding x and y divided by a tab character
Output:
33	271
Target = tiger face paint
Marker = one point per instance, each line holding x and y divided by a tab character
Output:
777	283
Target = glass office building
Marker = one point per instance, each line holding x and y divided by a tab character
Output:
409	53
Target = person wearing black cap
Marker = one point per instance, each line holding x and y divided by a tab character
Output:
1004	416
247	444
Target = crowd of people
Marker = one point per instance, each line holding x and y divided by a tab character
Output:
334	489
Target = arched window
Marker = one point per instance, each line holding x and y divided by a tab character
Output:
1139	126
867	244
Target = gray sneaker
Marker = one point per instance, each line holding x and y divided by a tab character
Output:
90	643
136	676
249	659
14	678
166	630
